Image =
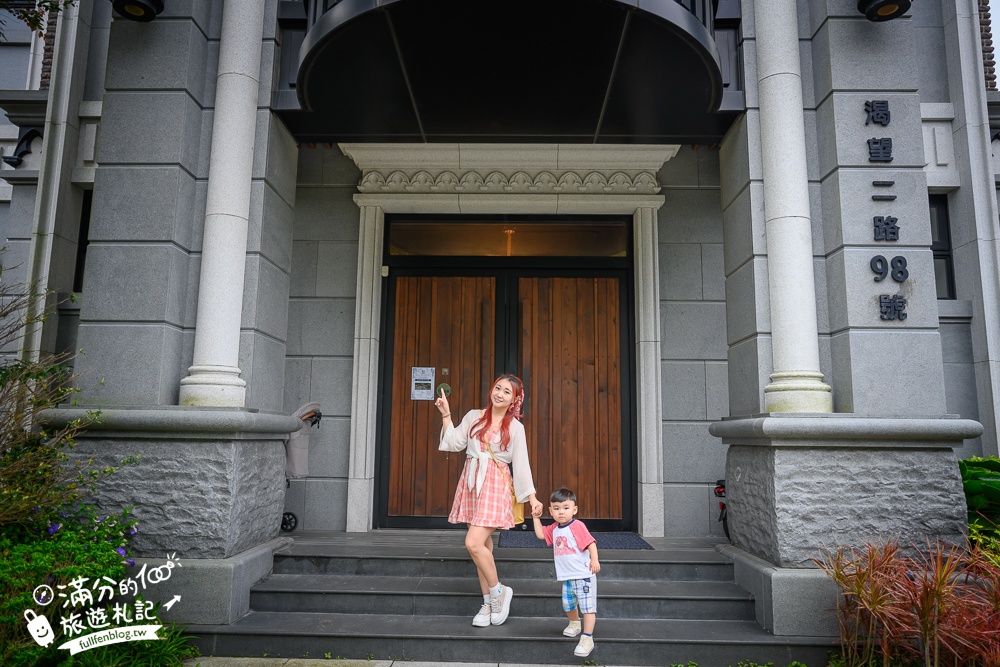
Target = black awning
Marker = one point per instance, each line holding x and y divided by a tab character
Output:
584	71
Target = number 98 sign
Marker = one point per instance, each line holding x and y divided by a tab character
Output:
896	269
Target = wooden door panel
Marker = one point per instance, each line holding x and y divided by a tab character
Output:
570	354
446	323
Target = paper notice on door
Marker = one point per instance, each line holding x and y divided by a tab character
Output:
421	384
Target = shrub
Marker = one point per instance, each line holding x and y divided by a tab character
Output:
81	544
48	533
941	607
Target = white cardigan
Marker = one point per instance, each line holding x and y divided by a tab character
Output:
455	439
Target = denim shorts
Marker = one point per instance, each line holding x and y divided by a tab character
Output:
580	593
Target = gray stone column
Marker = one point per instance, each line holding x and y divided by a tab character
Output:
214	377
796	381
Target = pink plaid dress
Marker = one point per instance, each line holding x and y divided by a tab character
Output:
491	508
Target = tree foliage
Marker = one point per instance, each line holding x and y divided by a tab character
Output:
33	14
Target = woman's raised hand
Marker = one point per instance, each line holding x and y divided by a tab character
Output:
441	402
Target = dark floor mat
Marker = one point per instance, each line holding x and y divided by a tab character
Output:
521	539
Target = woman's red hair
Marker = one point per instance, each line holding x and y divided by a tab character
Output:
480	427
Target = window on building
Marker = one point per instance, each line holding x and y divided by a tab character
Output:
944	273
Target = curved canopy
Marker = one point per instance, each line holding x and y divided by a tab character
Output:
587	71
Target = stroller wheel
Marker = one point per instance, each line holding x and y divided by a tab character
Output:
288	522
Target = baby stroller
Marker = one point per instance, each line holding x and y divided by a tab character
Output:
297	455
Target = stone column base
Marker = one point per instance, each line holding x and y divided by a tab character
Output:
799	485
210	482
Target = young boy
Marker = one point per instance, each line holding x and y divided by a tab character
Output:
576	566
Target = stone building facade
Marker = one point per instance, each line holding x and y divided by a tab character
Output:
806	309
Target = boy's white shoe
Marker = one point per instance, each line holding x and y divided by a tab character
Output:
500	606
573	629
482	619
585	646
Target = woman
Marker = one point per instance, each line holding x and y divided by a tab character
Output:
492	438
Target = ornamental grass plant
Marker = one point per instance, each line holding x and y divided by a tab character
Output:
50	532
938	607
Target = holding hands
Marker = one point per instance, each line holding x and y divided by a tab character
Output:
536	507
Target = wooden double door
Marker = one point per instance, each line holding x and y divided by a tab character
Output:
565	334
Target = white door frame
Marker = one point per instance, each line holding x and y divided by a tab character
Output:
535	179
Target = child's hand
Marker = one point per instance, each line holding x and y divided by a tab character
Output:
536	507
595	567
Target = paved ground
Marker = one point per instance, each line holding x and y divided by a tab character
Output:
310	662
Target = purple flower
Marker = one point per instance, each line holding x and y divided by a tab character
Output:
54	527
132	531
121	551
129	562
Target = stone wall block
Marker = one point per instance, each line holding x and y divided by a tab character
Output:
686	509
157	277
338	169
331	385
262	365
681	170
854	294
692	454
110	353
151	128
161	55
848	207
298	381
265	298
843	136
680	272
749	368
329	448
200	11
690	216
693	330
932	59
750	505
883	373
849	54
318	327
238	487
150	204
304	268
717	389
683	390
713	272
326	214
336	270
747	302
744	228
275	156
839	496
270	225
326	505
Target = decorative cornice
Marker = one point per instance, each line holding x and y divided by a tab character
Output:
518	182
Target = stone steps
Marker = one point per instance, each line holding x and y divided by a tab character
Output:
408	600
521	640
327	593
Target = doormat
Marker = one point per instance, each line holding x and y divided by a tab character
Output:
525	539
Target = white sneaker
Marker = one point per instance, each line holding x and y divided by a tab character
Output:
585	646
573	629
482	619
500	606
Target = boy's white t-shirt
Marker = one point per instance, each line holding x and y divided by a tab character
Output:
570	544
